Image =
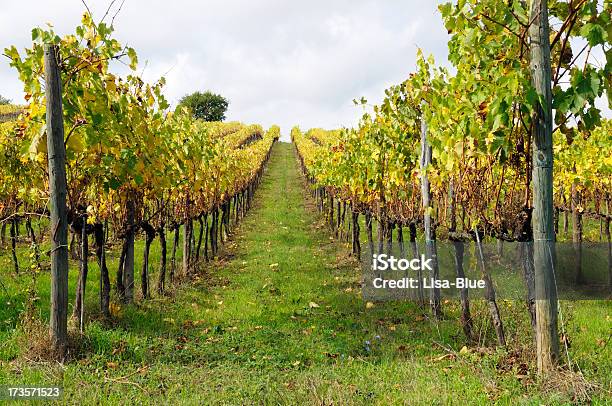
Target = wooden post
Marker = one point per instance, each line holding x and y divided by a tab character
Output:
161	284
14	245
56	153
356	244
186	246
466	316
577	232
609	240
415	254
79	302
100	232
177	230
547	340
430	234
206	227
526	257
128	267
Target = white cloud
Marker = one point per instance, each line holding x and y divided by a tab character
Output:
289	63
279	62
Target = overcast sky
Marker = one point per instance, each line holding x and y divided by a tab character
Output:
277	61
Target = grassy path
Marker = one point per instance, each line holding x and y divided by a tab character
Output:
279	320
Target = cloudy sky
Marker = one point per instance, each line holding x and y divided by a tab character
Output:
277	61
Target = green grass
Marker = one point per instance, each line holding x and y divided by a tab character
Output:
280	320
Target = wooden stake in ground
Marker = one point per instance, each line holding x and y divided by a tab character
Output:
547	340
79	303
128	266
57	203
431	251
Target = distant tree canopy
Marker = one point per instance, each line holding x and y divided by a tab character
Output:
207	106
4	100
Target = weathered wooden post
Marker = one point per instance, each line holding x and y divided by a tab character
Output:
57	204
547	340
430	234
79	303
128	269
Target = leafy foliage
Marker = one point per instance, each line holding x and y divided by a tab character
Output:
121	141
479	123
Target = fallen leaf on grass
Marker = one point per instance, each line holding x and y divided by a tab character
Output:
112	365
313	305
120	349
445	356
114	308
143	370
565	340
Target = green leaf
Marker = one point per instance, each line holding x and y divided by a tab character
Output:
562	99
35	34
500	120
532	97
592	118
114	183
594	33
131	53
498	142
